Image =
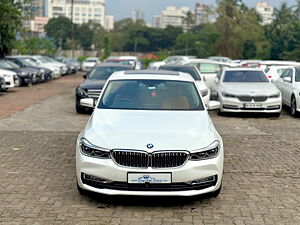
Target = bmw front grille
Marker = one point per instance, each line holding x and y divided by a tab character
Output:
141	159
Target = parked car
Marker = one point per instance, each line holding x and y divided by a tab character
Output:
247	90
55	69
209	69
149	135
10	77
274	72
38	76
94	83
75	63
221	59
195	73
24	75
171	60
45	74
60	58
89	63
66	69
264	64
2	84
289	85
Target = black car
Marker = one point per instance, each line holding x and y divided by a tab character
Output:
22	61
94	82
38	75
25	75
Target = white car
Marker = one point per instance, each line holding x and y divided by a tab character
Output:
274	72
195	73
247	90
209	69
11	78
149	135
289	85
136	62
171	60
89	63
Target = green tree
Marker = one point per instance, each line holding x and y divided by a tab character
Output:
60	30
12	13
106	53
33	46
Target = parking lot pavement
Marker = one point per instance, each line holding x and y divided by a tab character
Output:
37	181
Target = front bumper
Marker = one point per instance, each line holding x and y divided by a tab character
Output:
106	169
271	105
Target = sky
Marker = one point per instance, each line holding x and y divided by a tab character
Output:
123	8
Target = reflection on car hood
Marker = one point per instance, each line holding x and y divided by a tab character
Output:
93	84
134	129
250	88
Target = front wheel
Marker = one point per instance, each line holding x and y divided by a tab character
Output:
294	112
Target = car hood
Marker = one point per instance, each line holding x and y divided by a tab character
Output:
166	130
93	84
250	88
8	72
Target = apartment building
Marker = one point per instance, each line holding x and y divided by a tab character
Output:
83	10
266	12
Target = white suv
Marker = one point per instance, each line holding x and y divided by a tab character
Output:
149	135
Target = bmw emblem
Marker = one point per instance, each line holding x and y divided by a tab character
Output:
150	146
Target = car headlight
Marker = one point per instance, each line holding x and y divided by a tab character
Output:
23	73
210	152
81	92
277	95
90	150
204	92
228	95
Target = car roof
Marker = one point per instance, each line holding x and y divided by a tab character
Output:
177	66
111	64
243	69
207	61
151	75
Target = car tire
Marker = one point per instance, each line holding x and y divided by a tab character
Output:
294	112
80	109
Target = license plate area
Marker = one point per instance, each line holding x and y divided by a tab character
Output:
149	178
252	105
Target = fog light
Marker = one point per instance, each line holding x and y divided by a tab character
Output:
94	178
203	180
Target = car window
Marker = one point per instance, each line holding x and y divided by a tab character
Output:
284	73
297	76
190	71
103	73
245	76
151	95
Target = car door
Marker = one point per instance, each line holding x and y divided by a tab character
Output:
287	86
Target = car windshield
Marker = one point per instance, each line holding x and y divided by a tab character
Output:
5	65
151	95
190	71
12	64
103	73
245	76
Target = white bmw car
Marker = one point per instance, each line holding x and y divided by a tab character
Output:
149	135
246	90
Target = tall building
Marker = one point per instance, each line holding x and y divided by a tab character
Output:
203	14
109	22
156	21
38	7
171	16
266	12
138	15
37	25
83	10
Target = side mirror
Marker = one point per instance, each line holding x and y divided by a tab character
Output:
85	75
214	105
216	80
87	102
287	79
